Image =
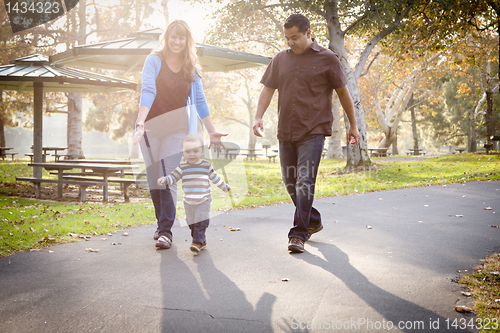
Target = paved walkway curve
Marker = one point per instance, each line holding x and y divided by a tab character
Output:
396	274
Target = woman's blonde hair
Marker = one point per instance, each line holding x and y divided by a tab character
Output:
181	28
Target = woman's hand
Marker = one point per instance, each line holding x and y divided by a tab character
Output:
216	141
139	133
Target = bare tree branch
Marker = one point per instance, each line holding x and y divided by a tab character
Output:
369	65
374	41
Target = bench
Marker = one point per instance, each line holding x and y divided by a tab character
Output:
378	152
11	154
491	146
252	155
124	182
44	157
37	182
58	156
415	151
272	157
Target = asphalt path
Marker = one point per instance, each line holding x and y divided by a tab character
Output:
384	261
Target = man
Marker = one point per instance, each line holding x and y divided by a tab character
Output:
305	75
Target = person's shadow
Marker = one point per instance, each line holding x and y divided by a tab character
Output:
389	306
206	300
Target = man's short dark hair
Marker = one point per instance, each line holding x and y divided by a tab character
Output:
297	20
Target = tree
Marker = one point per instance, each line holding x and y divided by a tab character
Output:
398	101
372	20
104	21
229	92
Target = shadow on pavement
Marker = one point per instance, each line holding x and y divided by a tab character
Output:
393	308
206	300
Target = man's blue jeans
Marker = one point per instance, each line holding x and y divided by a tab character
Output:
299	167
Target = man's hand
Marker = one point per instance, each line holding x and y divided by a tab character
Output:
258	127
354	135
266	95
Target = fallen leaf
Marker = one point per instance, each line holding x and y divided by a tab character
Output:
488	208
463	309
285	279
47	239
72	234
466	294
115	243
125	234
86	222
369	227
233	229
92	250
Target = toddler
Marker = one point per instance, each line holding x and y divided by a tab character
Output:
195	173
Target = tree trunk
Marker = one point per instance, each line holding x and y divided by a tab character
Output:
75	103
395	144
2	122
355	157
490	121
74	136
334	149
164	5
252	139
471	142
413	122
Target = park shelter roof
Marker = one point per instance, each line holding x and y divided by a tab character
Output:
33	73
130	53
24	72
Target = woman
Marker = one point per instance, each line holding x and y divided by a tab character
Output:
171	88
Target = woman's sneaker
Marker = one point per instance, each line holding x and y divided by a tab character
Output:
197	247
164	242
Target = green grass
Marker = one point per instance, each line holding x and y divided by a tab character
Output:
27	224
484	286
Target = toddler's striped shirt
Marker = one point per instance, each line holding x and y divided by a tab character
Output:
195	181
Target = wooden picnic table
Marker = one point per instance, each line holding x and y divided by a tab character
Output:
415	152
378	152
100	161
252	154
46	151
99	169
3	152
232	153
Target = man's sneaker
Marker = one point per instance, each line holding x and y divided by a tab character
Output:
156	235
295	245
197	247
313	230
164	242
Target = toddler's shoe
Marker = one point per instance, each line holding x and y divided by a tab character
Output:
197	247
164	242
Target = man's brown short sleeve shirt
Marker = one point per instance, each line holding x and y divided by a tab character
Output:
305	85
